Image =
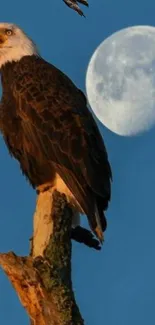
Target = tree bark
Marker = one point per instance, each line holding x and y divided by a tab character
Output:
43	279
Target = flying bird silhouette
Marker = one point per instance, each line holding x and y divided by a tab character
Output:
48	128
73	4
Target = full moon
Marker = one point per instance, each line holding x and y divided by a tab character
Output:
120	81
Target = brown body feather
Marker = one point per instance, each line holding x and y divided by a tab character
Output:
48	128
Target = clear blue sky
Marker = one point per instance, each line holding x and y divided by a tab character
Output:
115	286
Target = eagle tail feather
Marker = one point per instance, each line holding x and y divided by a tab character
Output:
100	224
99	227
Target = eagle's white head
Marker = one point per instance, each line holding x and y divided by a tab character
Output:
14	44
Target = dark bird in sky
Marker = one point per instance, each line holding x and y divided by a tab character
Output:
48	128
73	4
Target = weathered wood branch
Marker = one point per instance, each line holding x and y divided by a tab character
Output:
43	280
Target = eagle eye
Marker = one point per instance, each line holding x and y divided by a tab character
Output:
8	32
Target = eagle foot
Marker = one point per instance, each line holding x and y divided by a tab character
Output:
82	235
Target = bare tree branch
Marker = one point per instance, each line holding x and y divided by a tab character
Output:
43	280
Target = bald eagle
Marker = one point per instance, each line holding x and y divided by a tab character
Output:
48	128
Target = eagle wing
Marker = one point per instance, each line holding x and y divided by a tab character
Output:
58	124
73	4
